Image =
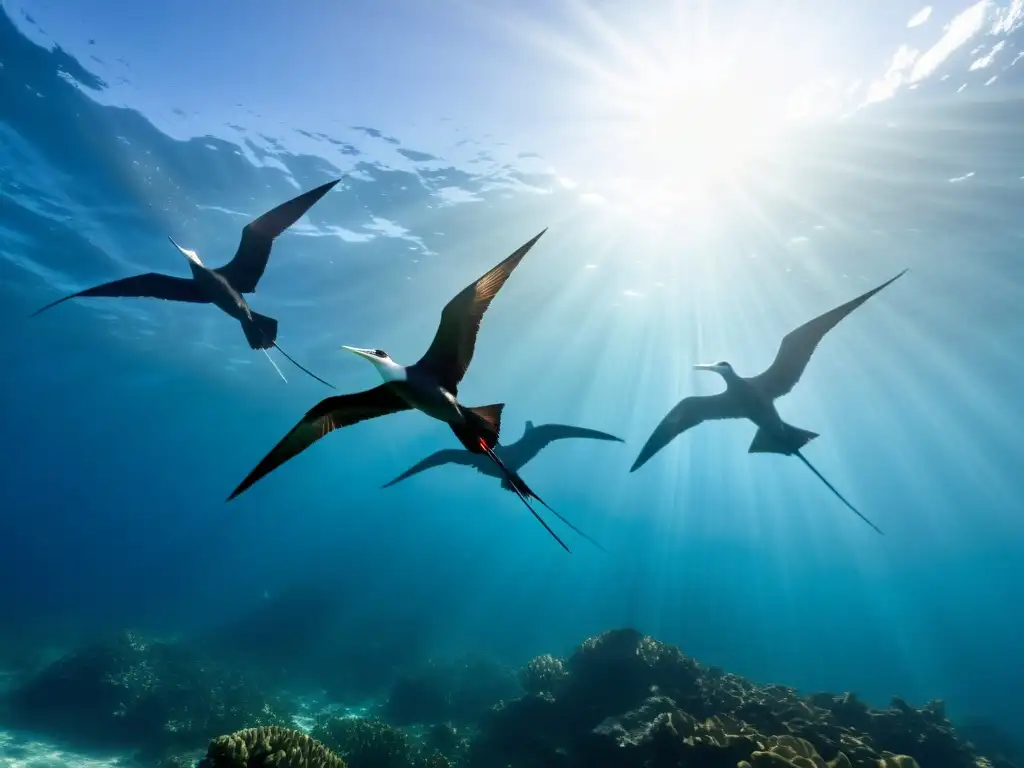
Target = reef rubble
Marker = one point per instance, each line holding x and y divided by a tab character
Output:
620	699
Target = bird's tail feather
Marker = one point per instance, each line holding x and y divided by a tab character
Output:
789	440
510	475
518	483
301	367
488	423
513	482
837	493
265	352
260	331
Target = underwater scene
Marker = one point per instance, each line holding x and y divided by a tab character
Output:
512	384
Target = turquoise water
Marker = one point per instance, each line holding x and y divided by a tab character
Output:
128	422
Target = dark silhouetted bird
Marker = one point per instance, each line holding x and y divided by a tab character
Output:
754	398
223	286
515	455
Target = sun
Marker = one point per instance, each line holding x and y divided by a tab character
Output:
686	139
678	106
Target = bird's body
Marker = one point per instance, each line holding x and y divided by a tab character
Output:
218	291
222	286
755	405
515	455
754	398
429	385
260	331
422	391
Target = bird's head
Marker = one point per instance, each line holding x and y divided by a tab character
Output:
386	367
192	256
721	367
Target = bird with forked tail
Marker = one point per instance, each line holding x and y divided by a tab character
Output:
223	286
754	398
515	455
429	385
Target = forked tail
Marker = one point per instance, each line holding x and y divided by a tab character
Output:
261	333
481	436
516	483
512	477
837	493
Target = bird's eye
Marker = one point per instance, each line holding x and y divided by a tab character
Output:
379	353
723	364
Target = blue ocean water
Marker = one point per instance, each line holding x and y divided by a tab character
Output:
128	422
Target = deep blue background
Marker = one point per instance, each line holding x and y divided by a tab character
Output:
126	424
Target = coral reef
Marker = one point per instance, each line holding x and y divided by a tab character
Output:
543	674
270	747
631	700
370	743
148	696
620	700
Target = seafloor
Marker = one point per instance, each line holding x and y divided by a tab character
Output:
619	699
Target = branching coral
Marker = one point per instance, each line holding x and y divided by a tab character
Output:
269	747
542	674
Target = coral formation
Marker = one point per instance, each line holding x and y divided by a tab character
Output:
149	696
621	699
370	743
631	700
269	747
543	674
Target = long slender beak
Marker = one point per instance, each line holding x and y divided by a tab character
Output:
361	352
190	255
705	367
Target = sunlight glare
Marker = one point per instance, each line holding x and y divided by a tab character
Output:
681	102
689	132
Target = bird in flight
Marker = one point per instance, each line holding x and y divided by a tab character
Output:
754	398
223	286
429	385
515	455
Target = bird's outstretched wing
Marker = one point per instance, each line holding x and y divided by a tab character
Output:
326	416
451	351
535	439
798	346
439	459
689	412
250	260
151	285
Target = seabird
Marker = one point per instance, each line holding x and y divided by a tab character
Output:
754	398
515	455
430	385
223	286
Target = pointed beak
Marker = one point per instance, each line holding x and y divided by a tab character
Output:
361	352
705	367
190	255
